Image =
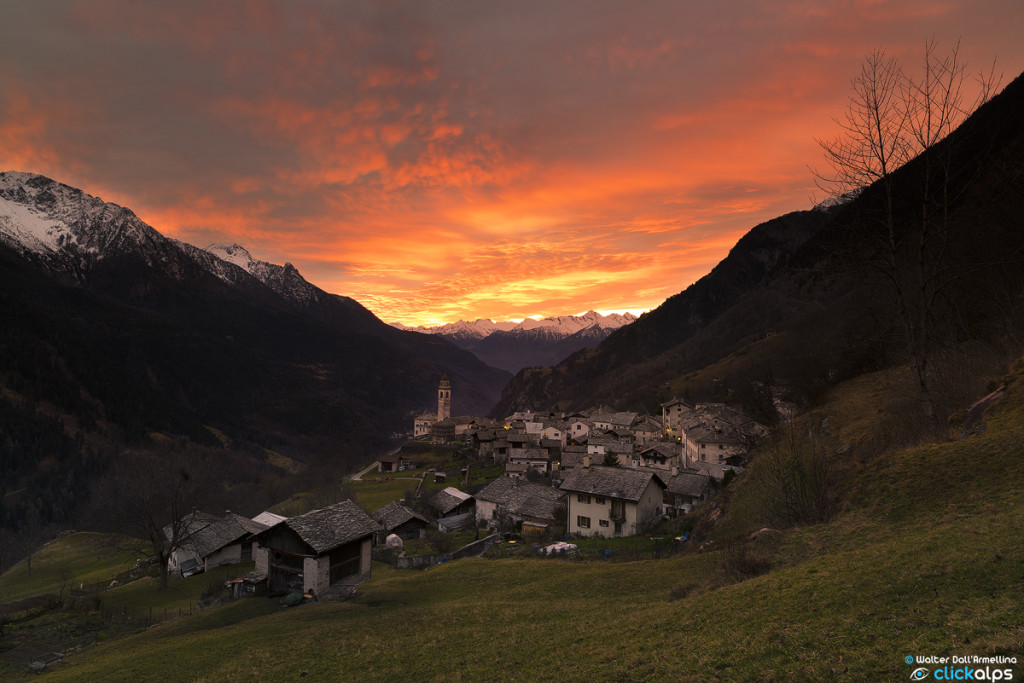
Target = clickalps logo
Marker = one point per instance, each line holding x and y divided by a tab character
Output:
961	669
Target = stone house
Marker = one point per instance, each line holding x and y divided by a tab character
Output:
514	500
320	549
579	428
687	489
661	455
443	431
647	430
212	541
395	518
674	412
612	501
714	443
421	424
452	507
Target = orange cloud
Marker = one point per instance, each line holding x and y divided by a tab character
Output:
440	160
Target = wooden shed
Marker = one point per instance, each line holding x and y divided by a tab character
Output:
318	550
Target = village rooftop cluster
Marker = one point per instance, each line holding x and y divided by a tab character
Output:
594	473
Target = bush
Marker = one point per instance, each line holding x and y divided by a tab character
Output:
794	474
740	561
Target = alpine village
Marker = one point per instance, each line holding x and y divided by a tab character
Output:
215	470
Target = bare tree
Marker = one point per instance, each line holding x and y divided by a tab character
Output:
794	476
152	496
892	118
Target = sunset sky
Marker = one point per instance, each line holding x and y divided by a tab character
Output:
459	159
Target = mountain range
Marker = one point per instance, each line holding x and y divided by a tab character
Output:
114	335
530	343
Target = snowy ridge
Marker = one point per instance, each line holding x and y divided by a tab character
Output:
560	326
67	230
285	280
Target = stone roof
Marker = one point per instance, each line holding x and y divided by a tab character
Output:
522	497
330	527
191	523
649	423
448	499
610	482
394	515
687	483
664	448
716	436
250	525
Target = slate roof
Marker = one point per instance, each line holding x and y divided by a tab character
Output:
714	436
649	424
522	497
448	499
688	482
250	525
610	482
664	448
693	484
193	522
329	527
217	535
394	515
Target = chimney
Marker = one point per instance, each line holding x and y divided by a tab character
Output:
675	470
586	461
515	480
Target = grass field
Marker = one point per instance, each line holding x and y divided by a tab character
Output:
68	562
924	557
373	494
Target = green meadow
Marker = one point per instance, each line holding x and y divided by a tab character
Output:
923	557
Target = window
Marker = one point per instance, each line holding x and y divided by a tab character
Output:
600	500
604	522
583	498
582	522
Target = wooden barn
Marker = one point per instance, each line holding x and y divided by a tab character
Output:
318	550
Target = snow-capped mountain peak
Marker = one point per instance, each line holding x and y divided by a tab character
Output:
232	253
560	326
66	229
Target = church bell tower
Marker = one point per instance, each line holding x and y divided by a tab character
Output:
444	399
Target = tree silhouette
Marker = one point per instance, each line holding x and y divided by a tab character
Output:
891	119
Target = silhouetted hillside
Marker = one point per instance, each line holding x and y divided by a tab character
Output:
800	303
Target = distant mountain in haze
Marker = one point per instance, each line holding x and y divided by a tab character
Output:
801	303
119	333
530	343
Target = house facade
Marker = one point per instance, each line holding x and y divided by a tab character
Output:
612	501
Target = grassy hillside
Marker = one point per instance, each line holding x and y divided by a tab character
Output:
923	558
69	561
